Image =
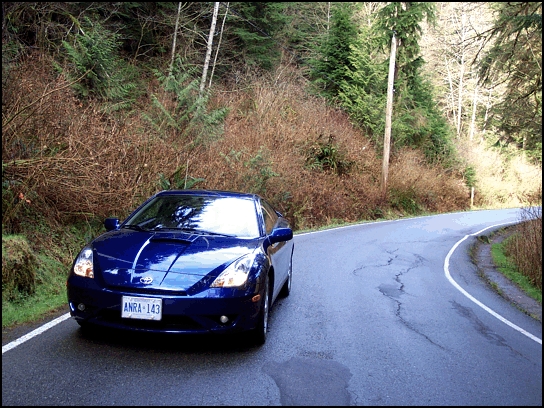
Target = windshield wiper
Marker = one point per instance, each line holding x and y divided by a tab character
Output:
135	227
204	232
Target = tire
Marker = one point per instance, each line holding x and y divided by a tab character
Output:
258	335
286	288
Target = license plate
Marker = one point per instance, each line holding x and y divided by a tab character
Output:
141	308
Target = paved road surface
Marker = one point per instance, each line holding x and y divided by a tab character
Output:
373	319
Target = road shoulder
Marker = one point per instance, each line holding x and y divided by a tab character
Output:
12	333
505	287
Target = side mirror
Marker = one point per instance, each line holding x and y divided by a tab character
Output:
111	224
280	235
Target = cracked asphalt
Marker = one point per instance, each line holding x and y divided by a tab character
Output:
372	319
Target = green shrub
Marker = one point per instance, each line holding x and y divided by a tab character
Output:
470	176
260	171
327	155
405	200
183	108
94	55
18	267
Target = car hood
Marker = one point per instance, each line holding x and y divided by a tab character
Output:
164	260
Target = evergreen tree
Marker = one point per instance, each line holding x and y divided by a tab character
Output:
333	64
516	59
255	26
94	53
363	90
404	19
307	25
416	121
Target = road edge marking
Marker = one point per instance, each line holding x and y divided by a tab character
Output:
60	319
469	296
34	333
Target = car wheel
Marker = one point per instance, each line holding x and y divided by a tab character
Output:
259	332
286	288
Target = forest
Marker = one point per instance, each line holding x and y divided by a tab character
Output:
336	112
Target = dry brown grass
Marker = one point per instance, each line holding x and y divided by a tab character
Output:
68	158
435	189
279	124
277	117
65	157
501	182
525	246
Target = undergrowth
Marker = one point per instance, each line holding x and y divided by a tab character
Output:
508	268
67	163
524	247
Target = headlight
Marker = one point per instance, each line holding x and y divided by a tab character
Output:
84	263
235	274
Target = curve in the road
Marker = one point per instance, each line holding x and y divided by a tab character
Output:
472	298
58	320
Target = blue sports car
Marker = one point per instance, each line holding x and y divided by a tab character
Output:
186	261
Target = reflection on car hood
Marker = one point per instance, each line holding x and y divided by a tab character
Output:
163	260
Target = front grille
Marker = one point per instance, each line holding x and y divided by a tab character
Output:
149	291
181	323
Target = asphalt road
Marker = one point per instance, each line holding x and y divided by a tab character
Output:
387	313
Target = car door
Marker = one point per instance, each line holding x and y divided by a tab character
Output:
278	252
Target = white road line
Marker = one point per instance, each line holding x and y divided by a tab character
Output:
34	333
60	319
298	234
464	292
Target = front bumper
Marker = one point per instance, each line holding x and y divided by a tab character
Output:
198	314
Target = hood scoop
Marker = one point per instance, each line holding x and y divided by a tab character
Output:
182	238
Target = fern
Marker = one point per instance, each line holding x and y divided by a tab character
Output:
259	172
94	53
190	115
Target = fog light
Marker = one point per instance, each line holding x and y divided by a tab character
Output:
81	307
223	319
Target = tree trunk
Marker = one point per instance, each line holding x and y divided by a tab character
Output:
328	15
474	105
174	41
218	45
452	94
210	46
388	114
487	108
461	76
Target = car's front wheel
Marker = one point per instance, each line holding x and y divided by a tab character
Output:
260	330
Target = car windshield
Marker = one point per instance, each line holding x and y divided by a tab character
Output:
208	214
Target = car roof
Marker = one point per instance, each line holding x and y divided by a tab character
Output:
217	193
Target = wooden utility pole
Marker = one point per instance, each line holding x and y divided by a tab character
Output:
388	114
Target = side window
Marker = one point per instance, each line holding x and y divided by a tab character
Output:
270	217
